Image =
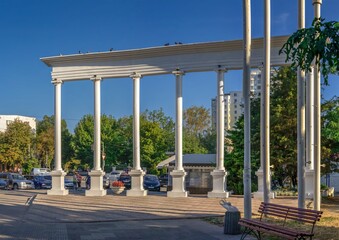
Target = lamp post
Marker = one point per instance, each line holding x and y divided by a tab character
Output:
103	160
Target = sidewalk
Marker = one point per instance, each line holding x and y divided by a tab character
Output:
111	217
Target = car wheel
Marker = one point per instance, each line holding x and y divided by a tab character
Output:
15	187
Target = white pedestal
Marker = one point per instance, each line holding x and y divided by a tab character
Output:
58	183
260	193
137	184
97	188
219	184
309	184
178	184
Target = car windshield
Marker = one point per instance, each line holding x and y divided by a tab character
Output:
47	177
151	178
18	177
125	177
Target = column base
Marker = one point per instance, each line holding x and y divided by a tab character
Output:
260	175
178	184
219	184
309	184
58	183
137	181
97	188
260	195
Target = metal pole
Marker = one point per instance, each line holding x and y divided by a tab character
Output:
265	138
310	119
247	107
301	118
317	122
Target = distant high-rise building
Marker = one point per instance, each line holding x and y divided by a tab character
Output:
233	101
7	119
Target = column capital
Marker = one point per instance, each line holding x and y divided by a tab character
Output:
317	2
135	75
178	72
95	78
56	81
221	69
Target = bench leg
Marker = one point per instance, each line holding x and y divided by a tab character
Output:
247	231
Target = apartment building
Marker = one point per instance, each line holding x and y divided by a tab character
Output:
7	119
234	102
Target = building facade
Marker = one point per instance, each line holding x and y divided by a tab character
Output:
233	100
7	119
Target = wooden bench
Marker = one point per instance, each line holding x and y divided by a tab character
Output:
285	214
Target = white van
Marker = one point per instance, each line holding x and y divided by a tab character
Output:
40	171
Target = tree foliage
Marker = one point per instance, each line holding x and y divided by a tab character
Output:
319	42
330	135
16	144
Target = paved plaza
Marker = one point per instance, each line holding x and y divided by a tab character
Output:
35	215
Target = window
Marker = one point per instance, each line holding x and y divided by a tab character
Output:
235	112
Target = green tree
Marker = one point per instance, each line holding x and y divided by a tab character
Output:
196	120
45	141
16	144
196	127
330	135
319	42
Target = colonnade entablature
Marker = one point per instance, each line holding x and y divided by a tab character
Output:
196	57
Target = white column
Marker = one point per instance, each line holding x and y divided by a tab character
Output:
260	173
317	122
309	171
219	173
265	138
137	174
246	82
301	118
58	184
96	173
178	174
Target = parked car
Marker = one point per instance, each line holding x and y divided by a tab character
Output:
126	179
16	181
68	183
151	182
3	184
163	179
113	176
43	182
40	171
106	182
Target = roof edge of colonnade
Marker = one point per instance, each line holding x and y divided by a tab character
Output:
194	57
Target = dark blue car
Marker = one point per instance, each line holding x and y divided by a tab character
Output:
42	182
151	182
3	184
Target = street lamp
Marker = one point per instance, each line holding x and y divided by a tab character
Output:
103	156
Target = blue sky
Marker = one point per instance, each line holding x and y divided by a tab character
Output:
40	28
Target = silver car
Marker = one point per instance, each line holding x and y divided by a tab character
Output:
16	181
